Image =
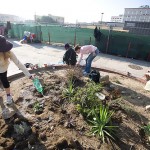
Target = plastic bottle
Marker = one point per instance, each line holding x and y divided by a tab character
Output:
38	85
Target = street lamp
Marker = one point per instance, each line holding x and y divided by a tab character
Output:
101	17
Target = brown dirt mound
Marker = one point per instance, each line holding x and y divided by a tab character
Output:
59	126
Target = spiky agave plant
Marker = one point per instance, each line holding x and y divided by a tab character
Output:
69	91
101	123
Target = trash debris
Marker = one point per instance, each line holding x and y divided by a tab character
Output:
100	96
38	85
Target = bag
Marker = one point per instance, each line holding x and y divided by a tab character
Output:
95	76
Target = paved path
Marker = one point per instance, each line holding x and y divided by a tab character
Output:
41	53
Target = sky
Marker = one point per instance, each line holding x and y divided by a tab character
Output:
72	10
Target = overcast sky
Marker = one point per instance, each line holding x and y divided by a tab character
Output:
71	10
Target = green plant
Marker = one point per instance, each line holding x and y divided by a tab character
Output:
38	107
22	128
86	97
69	91
101	123
147	129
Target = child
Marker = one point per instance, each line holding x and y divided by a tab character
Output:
5	55
87	49
70	56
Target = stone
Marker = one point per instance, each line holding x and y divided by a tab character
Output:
147	107
105	79
7	113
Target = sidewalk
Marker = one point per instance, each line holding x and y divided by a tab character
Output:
120	64
41	53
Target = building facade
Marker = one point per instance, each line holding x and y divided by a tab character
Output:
141	14
117	18
57	18
140	28
11	18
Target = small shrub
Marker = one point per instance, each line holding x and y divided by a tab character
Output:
85	97
101	123
38	108
69	91
21	129
147	129
73	73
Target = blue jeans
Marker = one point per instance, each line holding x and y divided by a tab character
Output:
89	61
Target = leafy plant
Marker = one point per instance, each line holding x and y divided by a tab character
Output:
86	97
21	129
38	107
147	129
69	91
101	123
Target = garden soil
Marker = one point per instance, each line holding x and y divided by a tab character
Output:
57	125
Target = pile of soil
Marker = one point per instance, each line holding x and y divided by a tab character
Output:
56	124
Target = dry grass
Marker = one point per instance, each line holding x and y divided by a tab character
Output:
73	73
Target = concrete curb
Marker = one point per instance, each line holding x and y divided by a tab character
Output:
19	75
122	74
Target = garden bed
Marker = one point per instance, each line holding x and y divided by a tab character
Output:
56	121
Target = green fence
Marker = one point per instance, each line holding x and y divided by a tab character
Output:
113	42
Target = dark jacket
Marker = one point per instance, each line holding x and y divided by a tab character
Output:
70	57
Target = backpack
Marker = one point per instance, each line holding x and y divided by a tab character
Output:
95	76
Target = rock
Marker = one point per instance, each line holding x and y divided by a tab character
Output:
147	107
105	79
8	113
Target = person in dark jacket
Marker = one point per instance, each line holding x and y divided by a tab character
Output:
70	55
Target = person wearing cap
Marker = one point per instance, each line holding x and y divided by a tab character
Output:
87	49
70	56
5	55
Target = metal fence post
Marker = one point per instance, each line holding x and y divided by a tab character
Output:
90	40
75	38
129	45
49	38
41	36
